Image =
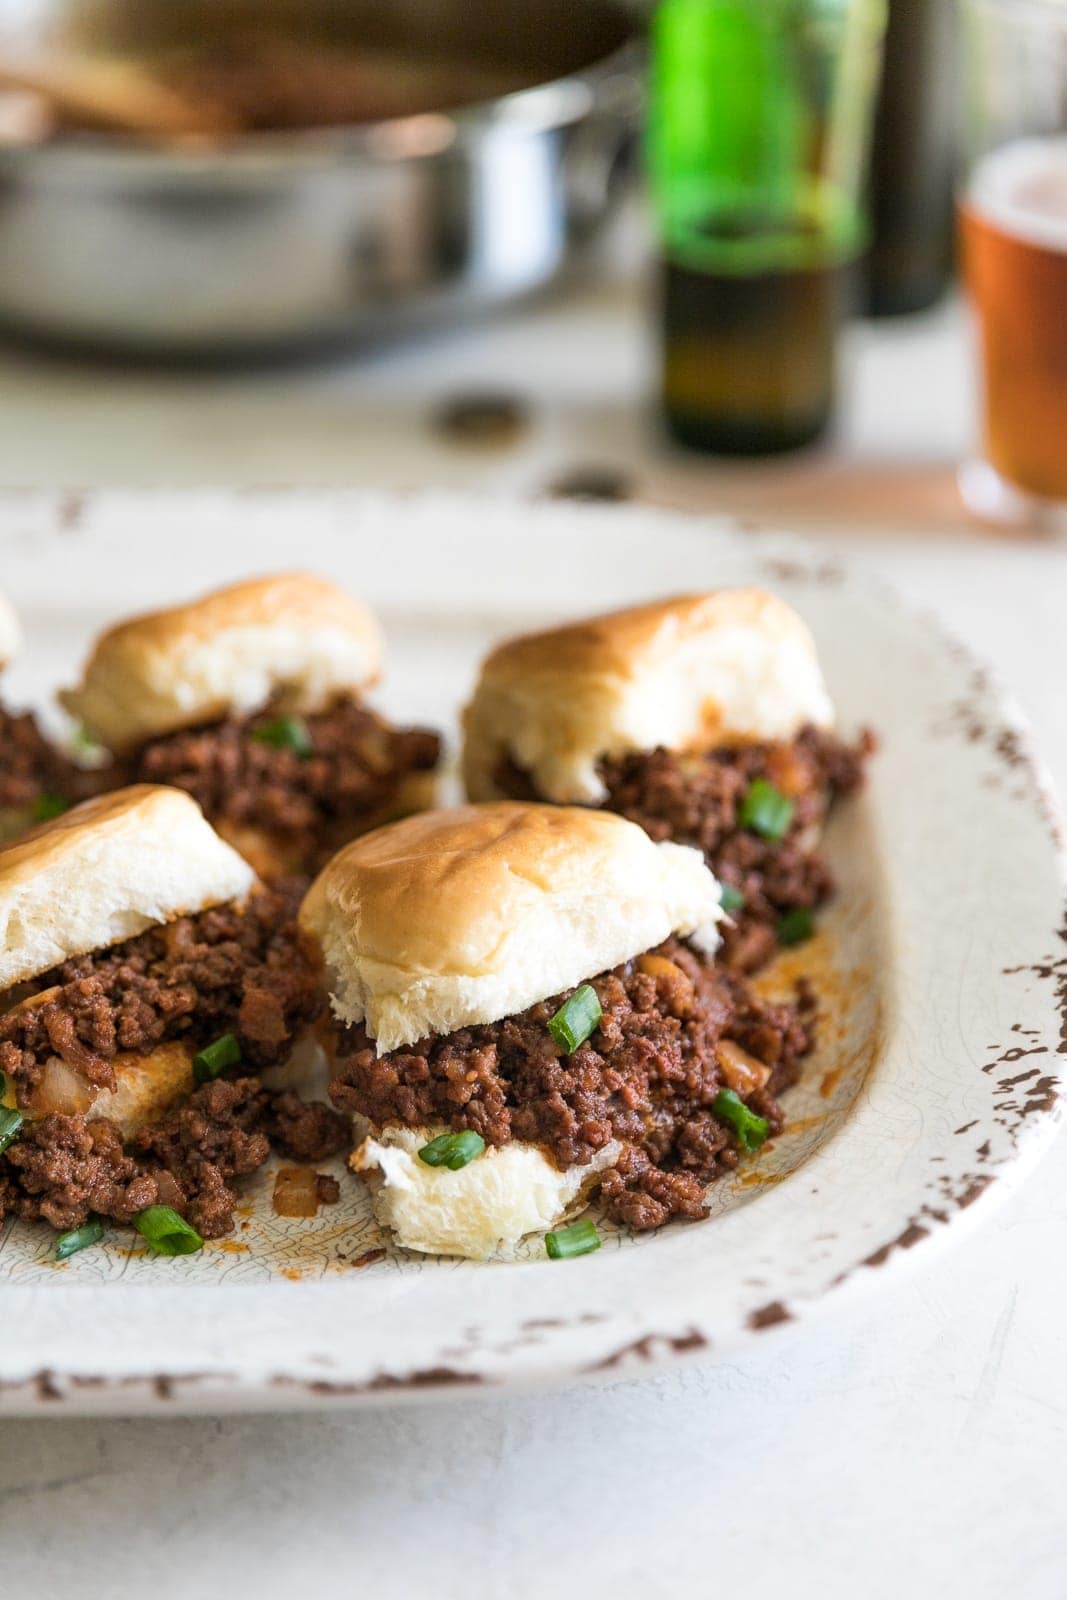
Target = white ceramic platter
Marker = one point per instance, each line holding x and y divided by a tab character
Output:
942	971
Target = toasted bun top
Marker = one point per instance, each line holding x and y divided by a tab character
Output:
457	917
690	673
105	871
10	632
292	634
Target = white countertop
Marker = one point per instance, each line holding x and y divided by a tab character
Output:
915	1445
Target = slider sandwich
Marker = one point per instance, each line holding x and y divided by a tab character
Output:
147	979
251	699
38	780
705	719
525	1007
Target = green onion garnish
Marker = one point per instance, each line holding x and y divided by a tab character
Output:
49	806
766	810
10	1123
215	1058
167	1233
796	926
580	1239
452	1150
287	733
576	1019
731	899
68	1244
750	1129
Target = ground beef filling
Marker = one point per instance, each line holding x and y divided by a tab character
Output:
696	799
647	1077
226	970
309	803
34	771
229	969
63	1169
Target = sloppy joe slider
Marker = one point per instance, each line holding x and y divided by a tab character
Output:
251	699
525	1006
703	718
140	963
38	780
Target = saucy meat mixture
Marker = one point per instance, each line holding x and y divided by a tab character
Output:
309	782
754	810
675	1032
227	970
37	779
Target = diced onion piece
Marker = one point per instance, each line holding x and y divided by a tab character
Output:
61	1090
742	1072
169	1192
296	1192
659	967
788	770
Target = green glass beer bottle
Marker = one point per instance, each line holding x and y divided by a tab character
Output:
756	145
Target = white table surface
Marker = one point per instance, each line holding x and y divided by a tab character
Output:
916	1445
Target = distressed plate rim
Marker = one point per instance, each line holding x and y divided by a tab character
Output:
185	1347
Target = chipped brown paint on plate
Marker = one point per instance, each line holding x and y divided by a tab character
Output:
942	1034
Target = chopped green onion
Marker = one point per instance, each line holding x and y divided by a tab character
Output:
68	1244
580	1239
731	899
796	926
167	1233
453	1150
576	1019
215	1058
10	1123
49	806
84	742
766	810
750	1129
287	733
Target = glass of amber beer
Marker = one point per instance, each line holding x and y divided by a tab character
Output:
1013	222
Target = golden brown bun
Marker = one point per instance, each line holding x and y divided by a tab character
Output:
105	871
689	674
146	1087
457	917
292	635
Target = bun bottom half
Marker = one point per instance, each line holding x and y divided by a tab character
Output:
486	1207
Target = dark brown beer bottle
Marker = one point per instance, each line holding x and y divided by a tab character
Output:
757	129
913	161
749	356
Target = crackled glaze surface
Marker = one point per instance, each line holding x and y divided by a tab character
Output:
942	970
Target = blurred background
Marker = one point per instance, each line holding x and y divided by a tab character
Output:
704	252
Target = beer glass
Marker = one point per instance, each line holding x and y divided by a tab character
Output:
1013	223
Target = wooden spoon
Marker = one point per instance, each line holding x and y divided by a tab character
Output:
115	96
